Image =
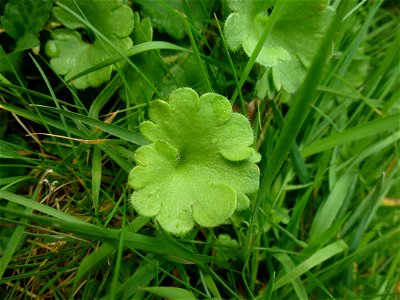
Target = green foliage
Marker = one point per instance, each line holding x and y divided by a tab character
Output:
200	166
164	17
137	89
77	48
172	293
167	15
11	61
292	43
323	223
226	248
23	19
183	71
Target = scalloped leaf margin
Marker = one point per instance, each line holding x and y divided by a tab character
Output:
292	43
199	167
75	48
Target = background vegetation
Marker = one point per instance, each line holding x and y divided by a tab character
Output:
324	224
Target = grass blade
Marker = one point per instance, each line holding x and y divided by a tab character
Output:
93	259
125	134
39	207
365	130
328	211
172	293
288	265
12	246
314	260
88	231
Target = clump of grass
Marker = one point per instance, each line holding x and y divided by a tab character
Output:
324	224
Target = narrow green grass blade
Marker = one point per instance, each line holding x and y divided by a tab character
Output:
374	203
314	260
392	276
53	96
212	287
365	130
322	240
143	275
115	283
60	272
158	246
96	177
104	96
268	292
18	234
314	280
172	293
37	119
296	216
372	150
12	246
289	265
288	234
37	94
233	294
365	253
39	207
125	134
174	244
116	156
328	211
233	70
10	181
92	260
298	160
196	51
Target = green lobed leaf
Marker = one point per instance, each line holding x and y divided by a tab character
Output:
164	14
200	166
226	248
285	50
164	17
75	48
23	19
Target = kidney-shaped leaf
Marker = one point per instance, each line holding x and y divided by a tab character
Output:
293	41
75	48
200	166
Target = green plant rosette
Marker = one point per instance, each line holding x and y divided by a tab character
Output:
199	167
